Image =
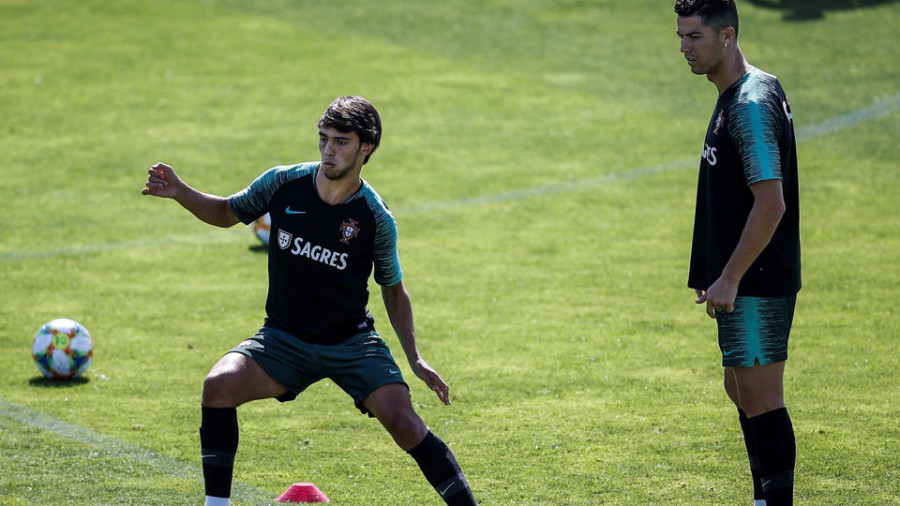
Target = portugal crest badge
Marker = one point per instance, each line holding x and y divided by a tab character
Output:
719	120
349	230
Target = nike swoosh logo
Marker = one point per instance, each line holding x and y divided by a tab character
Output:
288	210
729	352
394	371
446	489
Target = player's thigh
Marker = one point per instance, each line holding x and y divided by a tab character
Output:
760	388
392	406
731	386
759	378
236	379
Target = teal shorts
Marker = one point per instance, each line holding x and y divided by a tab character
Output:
360	365
757	332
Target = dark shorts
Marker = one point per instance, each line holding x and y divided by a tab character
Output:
359	365
757	332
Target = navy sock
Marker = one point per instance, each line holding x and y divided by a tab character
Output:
441	470
218	444
751	455
776	451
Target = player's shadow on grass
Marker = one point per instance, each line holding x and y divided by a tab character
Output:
259	248
43	382
805	10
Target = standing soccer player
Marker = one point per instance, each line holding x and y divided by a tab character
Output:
745	259
330	229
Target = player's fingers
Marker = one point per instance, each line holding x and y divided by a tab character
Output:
701	297
440	388
710	310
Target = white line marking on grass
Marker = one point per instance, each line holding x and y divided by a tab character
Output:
99	442
550	189
86	249
843	122
880	109
851	119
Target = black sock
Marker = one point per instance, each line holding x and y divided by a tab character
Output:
441	470
218	444
751	455
776	452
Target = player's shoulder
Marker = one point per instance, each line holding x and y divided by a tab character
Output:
254	199
757	86
374	202
286	173
761	76
756	93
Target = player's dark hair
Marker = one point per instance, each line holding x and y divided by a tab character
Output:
716	14
354	114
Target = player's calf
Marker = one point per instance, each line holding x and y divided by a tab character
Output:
443	472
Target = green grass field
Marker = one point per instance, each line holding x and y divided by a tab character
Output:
540	157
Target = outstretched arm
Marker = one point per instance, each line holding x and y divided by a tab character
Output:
399	310
164	182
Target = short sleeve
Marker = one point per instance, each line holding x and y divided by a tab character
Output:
755	125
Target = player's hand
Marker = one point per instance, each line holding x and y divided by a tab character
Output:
433	380
162	181
719	297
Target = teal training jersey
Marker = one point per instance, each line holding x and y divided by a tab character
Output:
750	139
320	255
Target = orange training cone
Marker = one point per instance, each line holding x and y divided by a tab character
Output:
303	492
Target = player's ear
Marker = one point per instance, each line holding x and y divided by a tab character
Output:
367	148
726	36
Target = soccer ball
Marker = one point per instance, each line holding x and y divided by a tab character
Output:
62	349
261	227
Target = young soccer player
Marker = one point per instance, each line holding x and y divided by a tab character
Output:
330	230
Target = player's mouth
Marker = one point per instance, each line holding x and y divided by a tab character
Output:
328	164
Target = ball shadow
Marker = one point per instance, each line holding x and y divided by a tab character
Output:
259	248
44	382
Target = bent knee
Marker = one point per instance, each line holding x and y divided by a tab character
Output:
405	423
759	404
219	390
407	429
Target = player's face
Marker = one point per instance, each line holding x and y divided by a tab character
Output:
341	152
700	44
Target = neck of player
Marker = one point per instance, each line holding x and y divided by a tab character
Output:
337	191
732	68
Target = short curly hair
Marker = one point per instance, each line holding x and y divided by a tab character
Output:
716	14
354	114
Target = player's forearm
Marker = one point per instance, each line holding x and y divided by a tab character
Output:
211	209
406	334
399	309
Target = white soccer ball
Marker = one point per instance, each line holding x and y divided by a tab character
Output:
62	349
261	227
